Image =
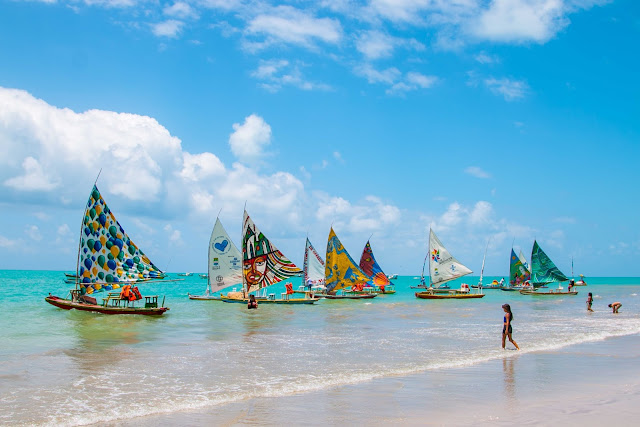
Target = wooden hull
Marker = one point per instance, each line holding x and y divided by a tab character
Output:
430	295
529	292
66	304
291	301
353	296
204	297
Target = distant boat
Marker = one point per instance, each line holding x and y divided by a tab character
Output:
312	272
543	272
224	264
108	261
203	276
342	274
381	282
519	274
494	284
392	276
185	274
443	267
581	281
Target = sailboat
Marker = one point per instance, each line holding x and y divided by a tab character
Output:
342	273
544	271
494	284
581	281
312	271
109	261
443	267
368	264
519	274
225	267
264	265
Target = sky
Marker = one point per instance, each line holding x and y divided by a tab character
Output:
492	122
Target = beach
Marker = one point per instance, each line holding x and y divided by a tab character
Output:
394	359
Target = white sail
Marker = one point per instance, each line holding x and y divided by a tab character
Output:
442	265
313	266
523	260
225	260
482	269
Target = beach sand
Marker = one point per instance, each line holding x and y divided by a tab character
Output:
588	384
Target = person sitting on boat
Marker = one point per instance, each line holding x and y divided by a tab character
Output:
502	282
615	306
253	303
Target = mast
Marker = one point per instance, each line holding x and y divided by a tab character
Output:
483	258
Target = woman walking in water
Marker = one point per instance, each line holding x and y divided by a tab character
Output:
506	328
589	302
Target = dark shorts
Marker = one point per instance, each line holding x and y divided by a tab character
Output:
504	328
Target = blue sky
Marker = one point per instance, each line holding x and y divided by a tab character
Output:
500	121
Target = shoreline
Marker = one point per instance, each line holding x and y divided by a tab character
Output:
590	383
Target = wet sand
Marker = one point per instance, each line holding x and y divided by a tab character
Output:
588	384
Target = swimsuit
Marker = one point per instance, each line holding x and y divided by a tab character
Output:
504	328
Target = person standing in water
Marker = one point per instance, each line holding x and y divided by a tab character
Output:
615	306
506	328
252	302
589	302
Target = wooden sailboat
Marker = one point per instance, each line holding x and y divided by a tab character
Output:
494	284
440	288
224	264
109	261
264	265
312	272
381	282
342	274
443	267
543	272
519	274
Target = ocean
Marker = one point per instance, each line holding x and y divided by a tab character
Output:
61	367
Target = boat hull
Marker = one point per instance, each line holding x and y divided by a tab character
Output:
529	292
291	301
204	297
430	295
357	296
66	304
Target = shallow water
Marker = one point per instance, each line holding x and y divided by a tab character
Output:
68	367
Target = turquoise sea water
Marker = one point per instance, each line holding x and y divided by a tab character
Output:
69	367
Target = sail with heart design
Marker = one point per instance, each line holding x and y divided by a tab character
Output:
225	260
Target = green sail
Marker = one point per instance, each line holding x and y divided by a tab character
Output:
543	270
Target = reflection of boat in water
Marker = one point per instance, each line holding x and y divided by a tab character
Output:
543	272
443	267
108	261
224	264
344	278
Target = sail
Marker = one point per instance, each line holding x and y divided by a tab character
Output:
482	268
518	273
442	265
225	268
523	260
263	263
313	266
371	268
107	257
340	270
543	270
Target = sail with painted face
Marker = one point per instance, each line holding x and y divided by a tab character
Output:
107	257
263	263
518	273
313	267
370	266
225	266
543	270
442	265
341	271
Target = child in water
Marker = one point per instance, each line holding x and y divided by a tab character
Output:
589	302
252	302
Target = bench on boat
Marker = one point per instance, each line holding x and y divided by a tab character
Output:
114	299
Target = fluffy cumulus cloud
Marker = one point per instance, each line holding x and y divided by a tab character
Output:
249	139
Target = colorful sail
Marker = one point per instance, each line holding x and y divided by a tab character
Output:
442	265
371	268
225	266
523	260
313	266
341	271
107	257
263	263
543	270
518	273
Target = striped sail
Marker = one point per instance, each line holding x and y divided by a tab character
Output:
263	263
543	270
518	273
370	266
340	270
225	267
107	257
313	267
442	265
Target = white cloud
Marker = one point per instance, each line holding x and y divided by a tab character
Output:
278	73
33	232
8	243
388	76
199	166
477	172
509	89
174	236
485	58
412	81
285	24
170	28
249	139
33	178
375	44
180	10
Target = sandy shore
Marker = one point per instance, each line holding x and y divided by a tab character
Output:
588	384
